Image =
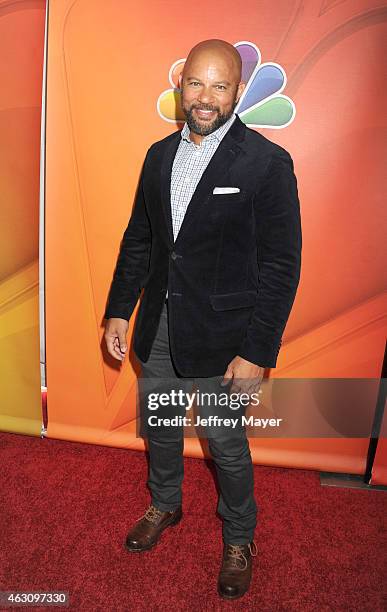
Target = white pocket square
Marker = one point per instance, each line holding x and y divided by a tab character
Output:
226	190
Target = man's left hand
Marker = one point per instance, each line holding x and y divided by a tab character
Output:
247	376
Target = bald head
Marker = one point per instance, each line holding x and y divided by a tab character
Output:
220	51
210	86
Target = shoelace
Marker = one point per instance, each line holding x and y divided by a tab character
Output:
235	553
152	514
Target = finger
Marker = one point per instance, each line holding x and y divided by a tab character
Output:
254	388
122	341
242	385
117	345
252	393
112	349
227	377
120	345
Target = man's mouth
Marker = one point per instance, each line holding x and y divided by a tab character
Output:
204	114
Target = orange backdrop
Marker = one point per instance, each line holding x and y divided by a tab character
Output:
108	62
21	71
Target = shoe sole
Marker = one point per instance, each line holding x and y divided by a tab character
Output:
175	521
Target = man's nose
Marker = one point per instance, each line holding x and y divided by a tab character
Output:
205	95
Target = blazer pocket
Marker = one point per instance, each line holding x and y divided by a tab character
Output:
229	198
229	301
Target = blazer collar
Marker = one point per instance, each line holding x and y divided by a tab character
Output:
224	157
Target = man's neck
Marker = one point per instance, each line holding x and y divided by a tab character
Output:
196	138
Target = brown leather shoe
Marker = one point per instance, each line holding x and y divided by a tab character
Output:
235	572
150	526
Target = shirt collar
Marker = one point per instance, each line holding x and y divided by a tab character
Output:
217	134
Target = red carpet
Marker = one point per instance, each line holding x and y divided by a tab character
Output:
67	507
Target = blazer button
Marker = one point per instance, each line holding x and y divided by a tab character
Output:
173	255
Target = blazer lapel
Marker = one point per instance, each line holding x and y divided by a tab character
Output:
225	155
166	172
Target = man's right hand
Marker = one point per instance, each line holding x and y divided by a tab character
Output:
115	337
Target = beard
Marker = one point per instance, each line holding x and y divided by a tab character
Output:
205	128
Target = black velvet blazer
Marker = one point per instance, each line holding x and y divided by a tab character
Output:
233	271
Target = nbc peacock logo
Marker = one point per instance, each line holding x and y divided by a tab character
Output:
261	105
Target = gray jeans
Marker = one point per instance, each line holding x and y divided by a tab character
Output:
230	453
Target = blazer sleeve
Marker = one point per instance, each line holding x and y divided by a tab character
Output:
279	244
133	259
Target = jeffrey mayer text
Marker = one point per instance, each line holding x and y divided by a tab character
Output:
212	421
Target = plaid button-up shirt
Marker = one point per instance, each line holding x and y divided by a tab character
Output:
190	162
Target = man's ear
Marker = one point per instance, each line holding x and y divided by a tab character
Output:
241	87
180	80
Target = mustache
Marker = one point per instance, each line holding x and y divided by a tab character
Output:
209	108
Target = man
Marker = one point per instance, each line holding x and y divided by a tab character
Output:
214	240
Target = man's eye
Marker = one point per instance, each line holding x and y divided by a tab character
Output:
194	83
221	87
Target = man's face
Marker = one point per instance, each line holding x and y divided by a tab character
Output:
209	92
